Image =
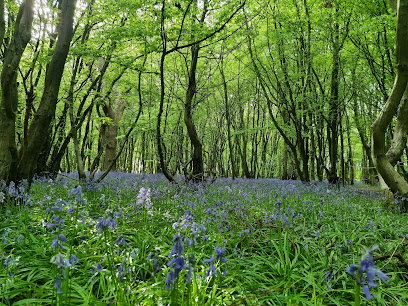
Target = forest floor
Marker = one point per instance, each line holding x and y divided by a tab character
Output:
137	240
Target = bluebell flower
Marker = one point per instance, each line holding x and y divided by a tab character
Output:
121	240
6	262
56	242
60	261
189	274
329	277
99	267
49	225
104	223
63	238
58	285
352	269
4	237
211	270
74	259
178	245
10	274
170	279
189	242
367	265
367	293
58	208
151	254
219	252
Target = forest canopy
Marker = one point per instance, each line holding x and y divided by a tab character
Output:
205	88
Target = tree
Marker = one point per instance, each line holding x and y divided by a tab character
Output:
397	104
9	98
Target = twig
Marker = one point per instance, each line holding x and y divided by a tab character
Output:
393	253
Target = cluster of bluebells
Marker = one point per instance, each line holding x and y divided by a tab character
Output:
219	254
177	262
371	272
106	223
7	265
329	279
61	262
286	217
144	201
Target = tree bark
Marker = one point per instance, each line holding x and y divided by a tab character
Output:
46	110
9	101
392	178
115	113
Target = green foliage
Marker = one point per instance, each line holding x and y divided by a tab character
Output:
281	240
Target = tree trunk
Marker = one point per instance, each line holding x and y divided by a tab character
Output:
46	110
9	101
197	158
398	98
115	114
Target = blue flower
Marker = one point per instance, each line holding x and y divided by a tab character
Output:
6	262
178	245
58	285
104	223
367	293
56	243
99	267
170	279
58	208
352	269
219	253
60	261
211	270
74	259
121	240
367	265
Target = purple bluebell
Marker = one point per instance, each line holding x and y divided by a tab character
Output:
367	265
6	262
99	267
211	270
178	245
58	285
121	240
367	293
74	259
58	208
56	242
170	279
60	261
219	252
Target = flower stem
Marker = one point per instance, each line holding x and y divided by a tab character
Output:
357	295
